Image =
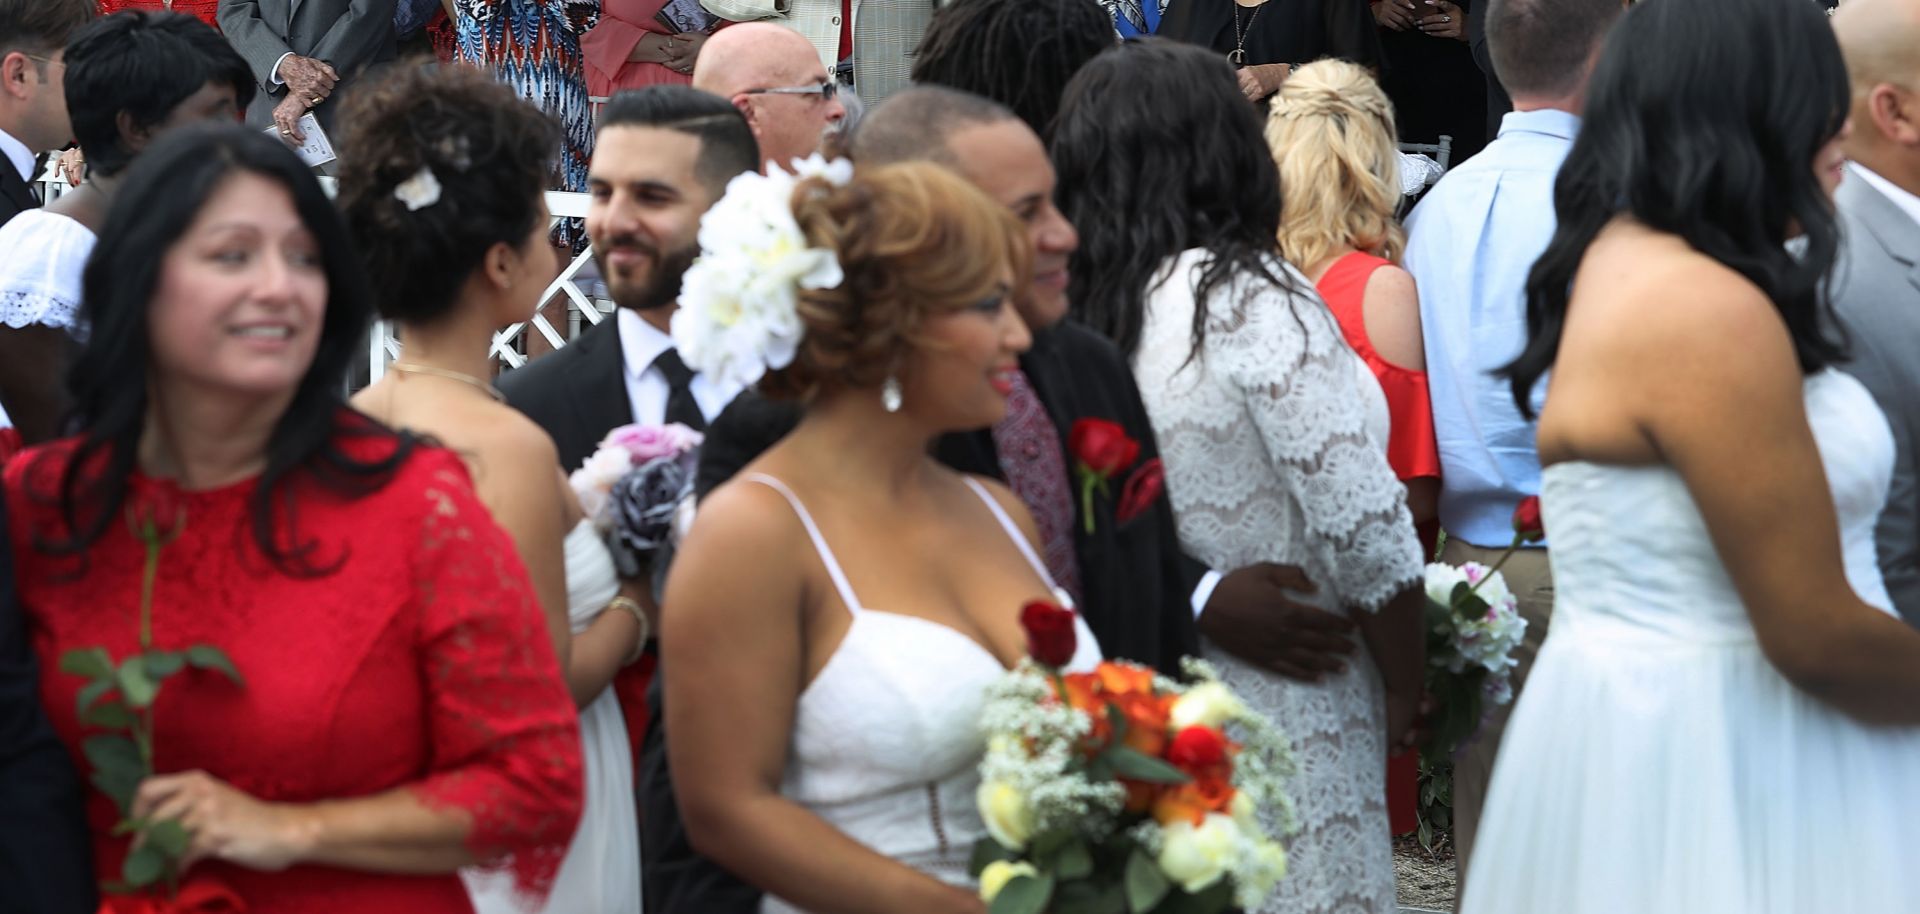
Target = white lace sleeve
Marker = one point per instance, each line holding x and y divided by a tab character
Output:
1302	392
40	278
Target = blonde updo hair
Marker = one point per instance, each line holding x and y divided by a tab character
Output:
1331	132
915	241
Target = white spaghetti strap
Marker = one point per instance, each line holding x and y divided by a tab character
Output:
813	533
1013	532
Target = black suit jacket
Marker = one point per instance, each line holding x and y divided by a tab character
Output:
577	394
45	861
1137	583
15	194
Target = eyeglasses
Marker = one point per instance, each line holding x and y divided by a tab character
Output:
825	91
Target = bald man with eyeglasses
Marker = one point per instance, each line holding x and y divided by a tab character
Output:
776	80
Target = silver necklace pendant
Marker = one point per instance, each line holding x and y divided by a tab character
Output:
1237	56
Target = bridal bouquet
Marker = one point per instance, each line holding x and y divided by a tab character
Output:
1473	625
633	485
1121	790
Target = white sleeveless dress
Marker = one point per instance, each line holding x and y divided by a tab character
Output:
1657	763
601	873
886	742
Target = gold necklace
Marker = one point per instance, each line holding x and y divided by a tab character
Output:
1238	56
412	368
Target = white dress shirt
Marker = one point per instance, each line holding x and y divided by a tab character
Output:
18	153
640	344
1900	196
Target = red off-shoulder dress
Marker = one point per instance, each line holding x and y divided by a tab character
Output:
1412	451
204	10
419	662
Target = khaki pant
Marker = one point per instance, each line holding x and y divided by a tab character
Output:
1531	580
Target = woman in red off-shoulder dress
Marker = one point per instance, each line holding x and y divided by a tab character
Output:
1332	133
402	713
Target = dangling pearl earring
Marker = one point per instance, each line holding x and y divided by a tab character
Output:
890	396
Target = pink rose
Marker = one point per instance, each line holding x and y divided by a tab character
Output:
648	442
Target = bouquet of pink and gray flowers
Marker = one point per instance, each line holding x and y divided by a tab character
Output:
633	486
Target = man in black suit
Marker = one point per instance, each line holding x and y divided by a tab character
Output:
663	155
33	101
45	863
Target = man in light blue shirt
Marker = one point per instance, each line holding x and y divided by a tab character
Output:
1470	246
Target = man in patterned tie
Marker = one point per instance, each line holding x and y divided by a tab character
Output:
1138	591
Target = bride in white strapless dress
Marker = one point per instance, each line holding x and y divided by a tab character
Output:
601	874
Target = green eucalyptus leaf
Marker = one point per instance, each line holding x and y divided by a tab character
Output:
208	657
170	838
111	714
1137	766
91	662
91	693
1046	844
144	867
986	851
1146	885
119	786
1074	860
136	686
1023	895
112	752
161	664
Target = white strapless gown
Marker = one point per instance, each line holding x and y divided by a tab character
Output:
1657	763
886	742
601	874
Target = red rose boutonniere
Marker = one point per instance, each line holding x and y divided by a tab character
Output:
1102	450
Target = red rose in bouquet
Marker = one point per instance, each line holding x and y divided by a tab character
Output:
1051	638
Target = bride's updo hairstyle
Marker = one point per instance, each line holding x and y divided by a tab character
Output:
914	241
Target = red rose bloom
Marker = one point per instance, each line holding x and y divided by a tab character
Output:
1526	520
1196	749
1050	634
1102	446
1142	490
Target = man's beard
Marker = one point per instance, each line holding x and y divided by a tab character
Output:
662	287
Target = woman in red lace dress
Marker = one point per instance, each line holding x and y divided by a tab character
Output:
204	10
1331	129
403	713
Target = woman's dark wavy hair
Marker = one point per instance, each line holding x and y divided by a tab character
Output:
1702	119
164	192
1158	152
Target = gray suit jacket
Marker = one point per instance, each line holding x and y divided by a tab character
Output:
351	35
1877	297
885	35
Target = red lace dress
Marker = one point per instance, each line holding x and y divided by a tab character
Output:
421	662
1411	449
204	10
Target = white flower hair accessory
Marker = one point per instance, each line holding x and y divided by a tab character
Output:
739	310
420	191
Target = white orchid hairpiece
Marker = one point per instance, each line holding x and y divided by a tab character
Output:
420	191
739	312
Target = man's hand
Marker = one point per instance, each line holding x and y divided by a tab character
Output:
286	116
1446	20
308	79
1397	15
1252	615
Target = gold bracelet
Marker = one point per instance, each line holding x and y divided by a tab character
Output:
628	604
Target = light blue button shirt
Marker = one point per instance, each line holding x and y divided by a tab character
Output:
1470	245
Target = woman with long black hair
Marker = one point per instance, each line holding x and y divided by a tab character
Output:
398	711
1723	717
1273	432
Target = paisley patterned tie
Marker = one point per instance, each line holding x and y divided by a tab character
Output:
1036	468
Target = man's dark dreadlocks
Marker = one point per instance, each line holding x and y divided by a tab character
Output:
1020	53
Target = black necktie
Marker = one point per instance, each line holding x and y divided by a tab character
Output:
681	406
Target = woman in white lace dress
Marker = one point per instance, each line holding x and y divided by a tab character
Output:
131	77
450	265
837	610
1272	430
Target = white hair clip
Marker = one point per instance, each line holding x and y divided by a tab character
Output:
420	191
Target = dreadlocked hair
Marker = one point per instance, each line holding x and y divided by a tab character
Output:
1020	53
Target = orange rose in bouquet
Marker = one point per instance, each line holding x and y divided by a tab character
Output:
1122	789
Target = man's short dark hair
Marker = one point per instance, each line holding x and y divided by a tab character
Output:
144	64
41	26
1542	47
727	146
914	125
1020	53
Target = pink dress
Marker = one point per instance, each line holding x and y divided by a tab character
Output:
622	23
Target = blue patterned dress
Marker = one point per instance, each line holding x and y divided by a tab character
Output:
534	46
